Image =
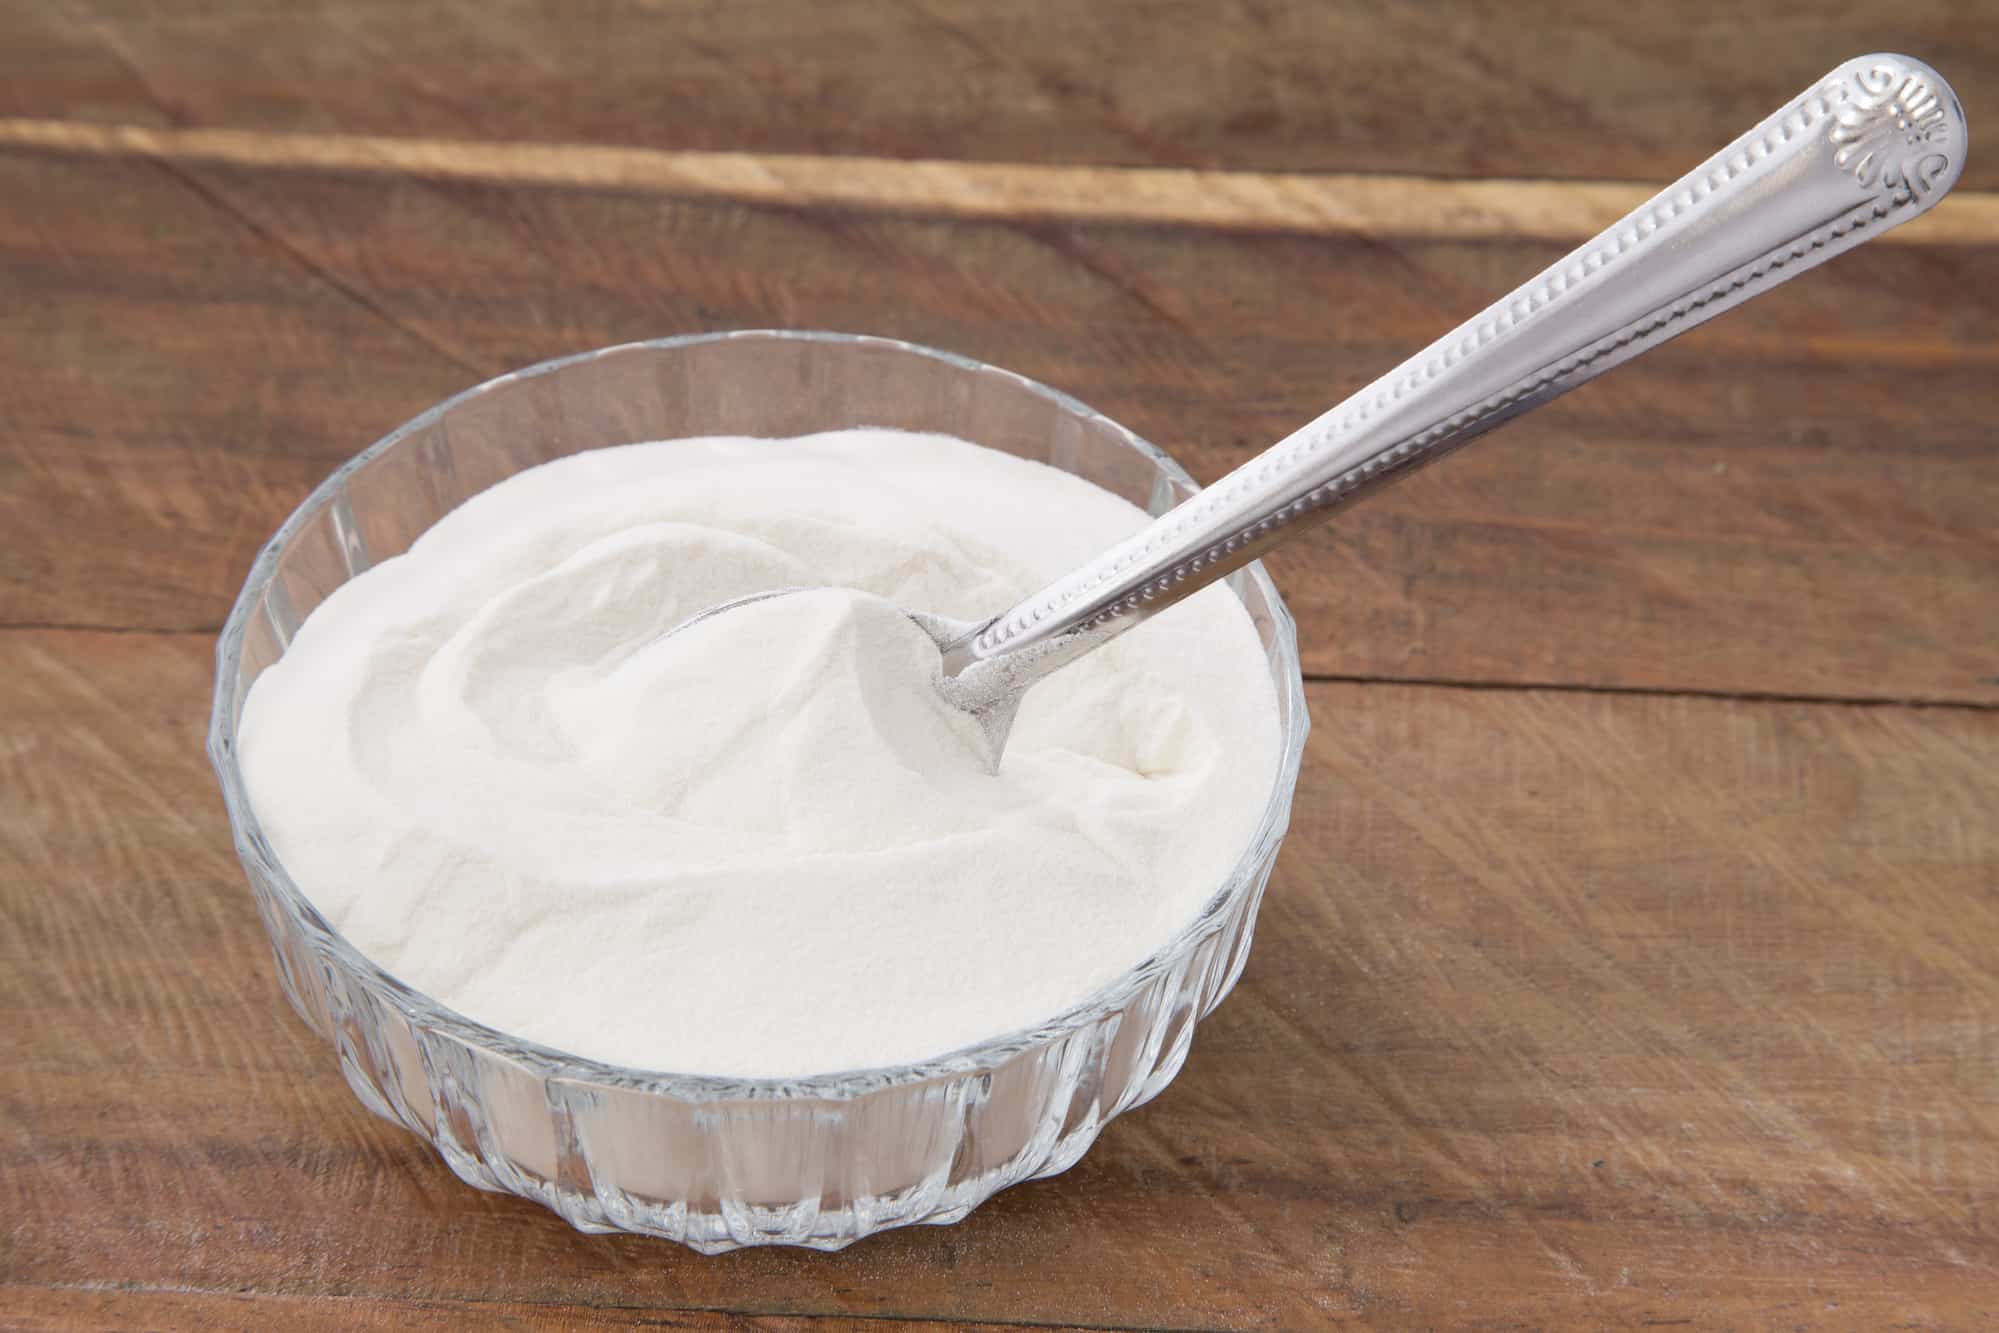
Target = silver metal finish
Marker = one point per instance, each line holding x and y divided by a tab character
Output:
1875	143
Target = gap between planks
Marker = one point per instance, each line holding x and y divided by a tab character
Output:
1414	207
1309	677
468	1305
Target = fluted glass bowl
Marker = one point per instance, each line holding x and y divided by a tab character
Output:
717	1163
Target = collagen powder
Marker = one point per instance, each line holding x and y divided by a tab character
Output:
762	846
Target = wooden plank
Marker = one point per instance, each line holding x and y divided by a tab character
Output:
1759	508
1578	89
1566	1009
31	1309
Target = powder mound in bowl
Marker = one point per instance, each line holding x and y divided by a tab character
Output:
764	846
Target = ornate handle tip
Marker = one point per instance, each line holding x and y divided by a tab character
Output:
1897	128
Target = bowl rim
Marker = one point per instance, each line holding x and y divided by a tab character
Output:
424	1011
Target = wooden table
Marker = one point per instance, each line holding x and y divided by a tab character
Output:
1632	957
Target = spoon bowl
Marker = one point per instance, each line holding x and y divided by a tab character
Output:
990	689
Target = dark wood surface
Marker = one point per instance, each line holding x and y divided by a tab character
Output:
1565	1007
1751	510
1631	959
1563	89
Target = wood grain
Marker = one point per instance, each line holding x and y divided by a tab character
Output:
1571	89
1380	206
1605	1005
1794	500
1565	1009
35	1308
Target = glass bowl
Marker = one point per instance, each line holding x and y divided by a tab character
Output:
717	1163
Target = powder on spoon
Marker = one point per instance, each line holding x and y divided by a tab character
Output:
763	846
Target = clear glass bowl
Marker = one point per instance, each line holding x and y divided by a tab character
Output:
716	1163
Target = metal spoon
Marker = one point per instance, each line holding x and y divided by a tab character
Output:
1876	142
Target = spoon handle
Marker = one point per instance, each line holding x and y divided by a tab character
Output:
1873	144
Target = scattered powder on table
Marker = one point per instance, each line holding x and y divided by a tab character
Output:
764	846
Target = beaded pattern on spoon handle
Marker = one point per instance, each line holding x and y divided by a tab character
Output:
1888	128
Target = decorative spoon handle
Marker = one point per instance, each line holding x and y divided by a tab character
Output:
1873	144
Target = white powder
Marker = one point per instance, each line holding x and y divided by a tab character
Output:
763	846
